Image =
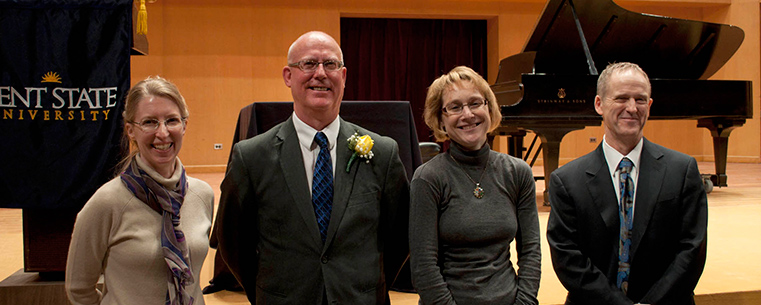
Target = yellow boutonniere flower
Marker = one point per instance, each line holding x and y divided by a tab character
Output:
361	146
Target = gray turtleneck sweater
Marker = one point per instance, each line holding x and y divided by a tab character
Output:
459	244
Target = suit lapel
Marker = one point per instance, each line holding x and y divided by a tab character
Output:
343	182
600	186
292	165
651	175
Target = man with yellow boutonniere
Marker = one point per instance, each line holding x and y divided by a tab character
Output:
299	221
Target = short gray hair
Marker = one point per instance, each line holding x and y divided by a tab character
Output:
602	80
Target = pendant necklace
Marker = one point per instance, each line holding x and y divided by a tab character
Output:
478	192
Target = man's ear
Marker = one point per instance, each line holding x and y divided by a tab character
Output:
287	76
344	75
598	104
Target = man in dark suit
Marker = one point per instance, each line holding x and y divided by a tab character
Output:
292	234
628	220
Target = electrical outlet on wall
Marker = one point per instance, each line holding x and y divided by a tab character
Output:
217	146
592	140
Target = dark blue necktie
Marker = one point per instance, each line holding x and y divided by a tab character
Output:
322	185
626	184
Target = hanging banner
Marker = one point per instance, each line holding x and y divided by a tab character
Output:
64	74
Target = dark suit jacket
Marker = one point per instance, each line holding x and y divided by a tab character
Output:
268	233
668	249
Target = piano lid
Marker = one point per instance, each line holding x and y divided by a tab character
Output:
664	47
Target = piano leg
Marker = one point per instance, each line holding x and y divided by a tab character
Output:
551	138
720	129
515	143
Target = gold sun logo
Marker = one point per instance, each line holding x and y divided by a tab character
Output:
51	77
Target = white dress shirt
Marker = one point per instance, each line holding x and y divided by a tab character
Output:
310	149
613	157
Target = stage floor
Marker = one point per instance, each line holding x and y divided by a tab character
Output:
732	274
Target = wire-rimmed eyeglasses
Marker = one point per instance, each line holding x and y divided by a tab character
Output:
456	108
310	65
152	125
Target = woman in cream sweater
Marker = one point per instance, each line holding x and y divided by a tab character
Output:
146	231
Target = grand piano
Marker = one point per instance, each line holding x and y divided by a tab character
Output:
550	87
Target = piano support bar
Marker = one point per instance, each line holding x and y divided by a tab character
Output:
583	40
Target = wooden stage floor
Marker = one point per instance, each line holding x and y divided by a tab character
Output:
732	274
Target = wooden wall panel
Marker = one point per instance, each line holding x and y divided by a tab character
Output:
225	54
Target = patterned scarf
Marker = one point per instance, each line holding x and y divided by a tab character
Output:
167	203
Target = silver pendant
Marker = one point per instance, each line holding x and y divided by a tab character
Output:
478	191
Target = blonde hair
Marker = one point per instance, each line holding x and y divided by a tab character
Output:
151	86
433	101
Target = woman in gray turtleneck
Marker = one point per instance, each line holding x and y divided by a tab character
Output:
470	203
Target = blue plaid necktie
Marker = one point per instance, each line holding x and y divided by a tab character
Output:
322	185
626	184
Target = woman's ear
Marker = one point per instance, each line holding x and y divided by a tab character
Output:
130	131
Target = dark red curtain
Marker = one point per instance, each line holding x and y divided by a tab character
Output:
397	59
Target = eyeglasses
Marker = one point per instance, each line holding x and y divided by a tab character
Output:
310	65
456	108
152	125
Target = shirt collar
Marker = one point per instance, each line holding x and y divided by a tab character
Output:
613	157
306	133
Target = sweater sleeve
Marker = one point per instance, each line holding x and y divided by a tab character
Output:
205	194
89	244
527	238
424	243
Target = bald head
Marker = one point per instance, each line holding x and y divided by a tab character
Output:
309	40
